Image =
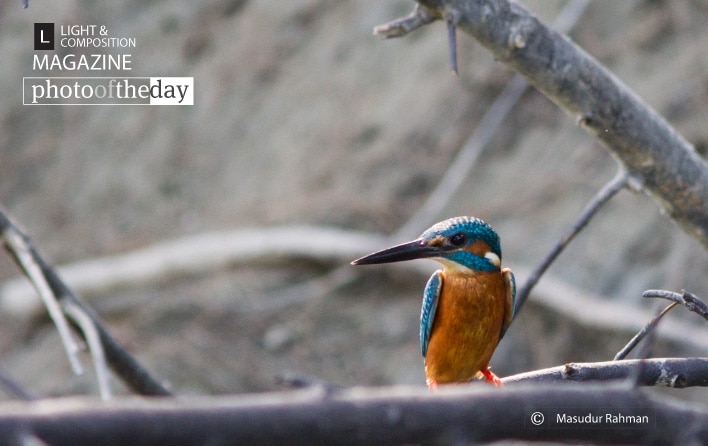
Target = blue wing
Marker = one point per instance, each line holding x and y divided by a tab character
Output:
510	308
427	313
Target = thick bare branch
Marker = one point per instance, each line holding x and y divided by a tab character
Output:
662	163
397	415
478	140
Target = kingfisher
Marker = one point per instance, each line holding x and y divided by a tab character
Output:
467	306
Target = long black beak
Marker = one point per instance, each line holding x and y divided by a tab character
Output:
417	249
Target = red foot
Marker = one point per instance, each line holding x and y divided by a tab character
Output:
491	377
432	384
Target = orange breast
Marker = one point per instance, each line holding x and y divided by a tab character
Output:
467	324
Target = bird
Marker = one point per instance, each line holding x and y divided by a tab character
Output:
467	305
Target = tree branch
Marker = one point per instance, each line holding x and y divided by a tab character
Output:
85	323
660	161
20	248
460	167
610	189
395	415
13	388
668	372
646	330
404	25
688	300
133	374
125	365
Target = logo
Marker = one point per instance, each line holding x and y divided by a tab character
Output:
44	36
587	418
108	90
86	65
537	418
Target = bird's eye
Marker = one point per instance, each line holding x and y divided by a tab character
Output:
458	239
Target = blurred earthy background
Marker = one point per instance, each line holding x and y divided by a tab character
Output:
302	116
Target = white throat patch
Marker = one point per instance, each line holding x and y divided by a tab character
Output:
453	266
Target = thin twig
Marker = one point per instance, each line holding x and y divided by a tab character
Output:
635	377
695	304
133	374
603	195
21	251
399	28
452	43
14	388
650	326
459	169
93	339
688	300
125	365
